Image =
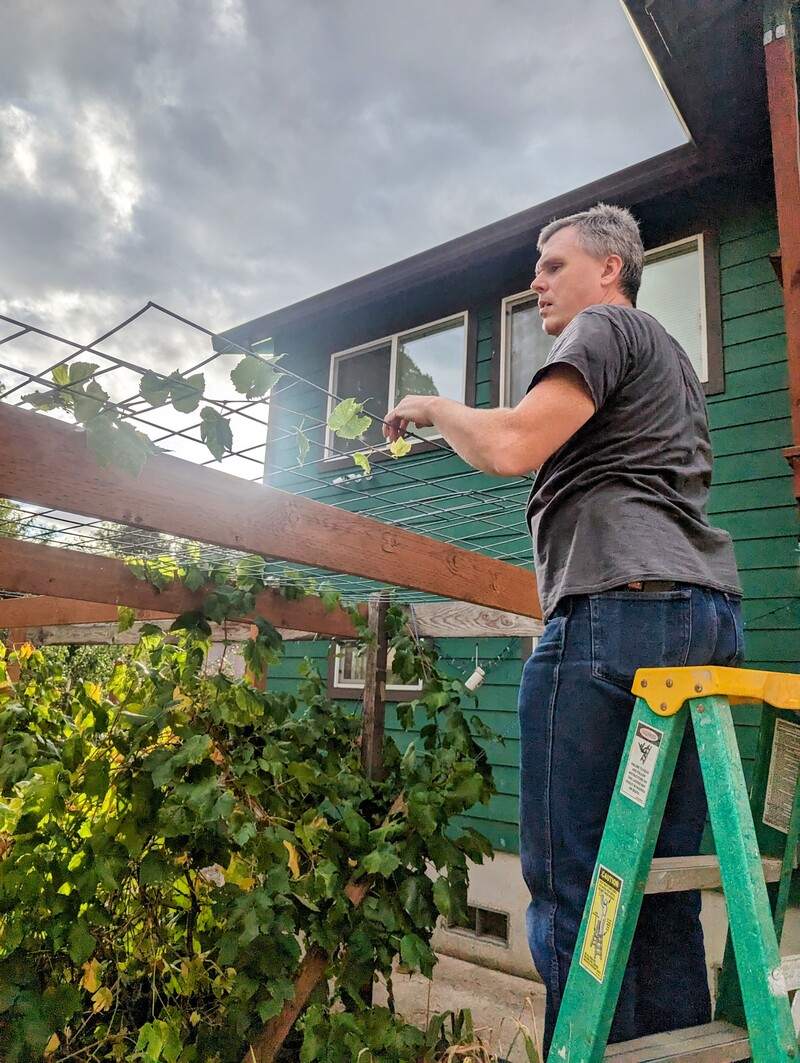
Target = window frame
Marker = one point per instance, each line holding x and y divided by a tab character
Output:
393	339
395	692
711	313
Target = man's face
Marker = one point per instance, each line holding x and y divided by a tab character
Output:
567	280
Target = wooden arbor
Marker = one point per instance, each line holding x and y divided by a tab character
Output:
46	463
72	596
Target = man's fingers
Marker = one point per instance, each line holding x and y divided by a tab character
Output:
394	427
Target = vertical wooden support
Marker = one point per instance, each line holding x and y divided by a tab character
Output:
16	637
782	93
374	718
259	684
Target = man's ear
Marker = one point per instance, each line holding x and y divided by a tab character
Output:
611	271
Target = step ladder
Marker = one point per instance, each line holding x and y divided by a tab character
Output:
753	1012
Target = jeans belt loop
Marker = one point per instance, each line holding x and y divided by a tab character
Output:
652	586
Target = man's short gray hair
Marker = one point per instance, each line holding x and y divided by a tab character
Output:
606	230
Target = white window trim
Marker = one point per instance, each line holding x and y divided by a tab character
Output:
666	251
509	302
393	339
654	254
358	684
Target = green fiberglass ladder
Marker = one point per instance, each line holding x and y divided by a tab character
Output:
753	1013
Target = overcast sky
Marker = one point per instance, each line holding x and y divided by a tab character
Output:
228	157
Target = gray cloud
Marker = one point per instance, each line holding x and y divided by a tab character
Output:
226	157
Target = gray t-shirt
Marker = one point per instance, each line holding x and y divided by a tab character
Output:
625	498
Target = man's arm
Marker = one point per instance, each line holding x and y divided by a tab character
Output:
503	442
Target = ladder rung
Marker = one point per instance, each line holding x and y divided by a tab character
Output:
717	1042
671	874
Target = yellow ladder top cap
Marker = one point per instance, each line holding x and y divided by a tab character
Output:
666	689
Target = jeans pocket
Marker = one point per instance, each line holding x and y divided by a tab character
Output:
735	633
634	629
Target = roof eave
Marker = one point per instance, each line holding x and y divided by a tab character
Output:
637	183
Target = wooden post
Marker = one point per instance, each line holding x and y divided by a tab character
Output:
259	684
374	718
16	637
782	94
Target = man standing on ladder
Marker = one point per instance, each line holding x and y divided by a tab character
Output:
630	576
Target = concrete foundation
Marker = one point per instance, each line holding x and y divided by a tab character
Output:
498	887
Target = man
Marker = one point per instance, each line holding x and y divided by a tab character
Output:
630	575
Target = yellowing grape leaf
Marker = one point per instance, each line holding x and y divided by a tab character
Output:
102	999
399	448
294	861
91	976
362	460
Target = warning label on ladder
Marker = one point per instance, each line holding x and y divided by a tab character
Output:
641	763
782	780
602	916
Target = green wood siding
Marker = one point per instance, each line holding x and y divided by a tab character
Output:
752	495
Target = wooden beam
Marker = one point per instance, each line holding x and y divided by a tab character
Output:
32	568
180	498
779	57
42	610
454	620
109	635
457	620
428	619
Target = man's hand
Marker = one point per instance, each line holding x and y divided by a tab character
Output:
503	442
413	409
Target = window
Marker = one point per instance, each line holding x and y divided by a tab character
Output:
673	290
483	923
346	673
425	361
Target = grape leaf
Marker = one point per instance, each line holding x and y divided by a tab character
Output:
131	449
442	897
47	400
186	392
154	389
253	377
89	402
362	461
100	433
81	372
399	448
195	578
215	432
348	420
416	954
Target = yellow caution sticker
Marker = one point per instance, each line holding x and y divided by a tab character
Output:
602	916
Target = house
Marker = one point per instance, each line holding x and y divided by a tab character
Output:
460	318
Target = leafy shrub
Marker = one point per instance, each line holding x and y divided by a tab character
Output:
171	842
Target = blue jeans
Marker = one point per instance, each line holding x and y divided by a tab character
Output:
575	706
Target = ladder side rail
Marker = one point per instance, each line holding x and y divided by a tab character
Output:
766	1002
619	881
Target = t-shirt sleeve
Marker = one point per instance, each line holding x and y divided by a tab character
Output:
592	345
